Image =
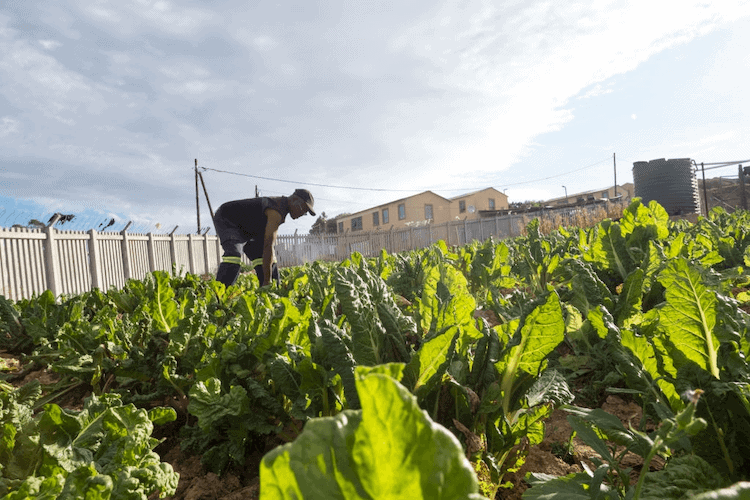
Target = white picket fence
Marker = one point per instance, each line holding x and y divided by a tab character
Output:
73	262
298	249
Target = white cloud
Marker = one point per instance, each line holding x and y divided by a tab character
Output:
197	89
38	79
50	44
520	64
596	91
8	126
264	43
128	17
185	70
448	94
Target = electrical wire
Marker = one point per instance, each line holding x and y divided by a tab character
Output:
400	190
305	183
557	175
717	164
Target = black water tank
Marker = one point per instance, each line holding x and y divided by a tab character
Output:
672	183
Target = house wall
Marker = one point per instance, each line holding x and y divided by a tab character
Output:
414	212
479	200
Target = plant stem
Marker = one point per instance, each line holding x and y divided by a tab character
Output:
646	466
720	436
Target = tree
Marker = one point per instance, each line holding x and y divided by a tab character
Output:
324	225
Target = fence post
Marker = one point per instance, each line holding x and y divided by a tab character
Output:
52	259
206	270
411	238
173	249
151	252
191	254
466	232
95	261
126	252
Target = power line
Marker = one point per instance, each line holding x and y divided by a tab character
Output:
397	190
557	175
305	183
719	164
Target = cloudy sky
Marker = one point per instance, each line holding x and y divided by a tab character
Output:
105	105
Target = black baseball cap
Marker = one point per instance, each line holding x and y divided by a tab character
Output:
307	197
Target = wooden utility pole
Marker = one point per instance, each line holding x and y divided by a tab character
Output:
210	210
197	199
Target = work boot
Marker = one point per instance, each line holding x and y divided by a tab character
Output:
227	273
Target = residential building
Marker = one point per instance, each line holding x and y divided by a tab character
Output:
423	208
625	191
467	206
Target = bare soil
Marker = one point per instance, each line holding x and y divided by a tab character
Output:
545	457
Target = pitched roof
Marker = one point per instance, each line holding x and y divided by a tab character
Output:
475	192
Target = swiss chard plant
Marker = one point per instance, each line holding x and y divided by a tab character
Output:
390	448
105	450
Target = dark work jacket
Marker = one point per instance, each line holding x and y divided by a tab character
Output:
250	215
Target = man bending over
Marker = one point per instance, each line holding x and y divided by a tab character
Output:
250	226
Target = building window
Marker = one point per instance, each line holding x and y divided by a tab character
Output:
357	224
428	212
492	203
385	216
341	227
461	206
605	194
401	212
376	218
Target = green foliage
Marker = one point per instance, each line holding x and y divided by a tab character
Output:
370	453
103	451
488	338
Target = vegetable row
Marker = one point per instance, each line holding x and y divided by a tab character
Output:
447	360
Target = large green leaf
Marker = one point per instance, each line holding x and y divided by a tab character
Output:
486	354
630	301
689	316
609	249
162	306
367	331
684	477
332	350
662	373
429	363
642	223
587	290
389	449
570	487
542	330
738	491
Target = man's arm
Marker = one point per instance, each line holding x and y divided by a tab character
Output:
269	241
